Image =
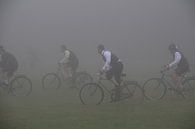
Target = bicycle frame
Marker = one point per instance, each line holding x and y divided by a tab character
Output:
7	86
9	79
59	72
166	82
100	79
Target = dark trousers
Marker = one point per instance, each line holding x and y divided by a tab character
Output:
115	71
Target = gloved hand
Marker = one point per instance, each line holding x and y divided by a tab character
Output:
167	67
106	68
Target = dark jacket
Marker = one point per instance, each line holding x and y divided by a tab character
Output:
8	61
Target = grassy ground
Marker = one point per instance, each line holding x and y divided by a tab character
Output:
63	110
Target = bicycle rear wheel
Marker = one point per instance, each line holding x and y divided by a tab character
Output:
21	86
51	81
133	92
154	89
189	88
91	94
82	78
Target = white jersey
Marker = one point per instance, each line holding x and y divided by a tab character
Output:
176	61
66	56
107	56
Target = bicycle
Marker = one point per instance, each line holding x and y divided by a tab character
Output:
156	88
19	85
54	80
94	93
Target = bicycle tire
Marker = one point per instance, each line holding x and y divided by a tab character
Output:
91	94
82	78
51	81
134	91
189	88
154	89
20	86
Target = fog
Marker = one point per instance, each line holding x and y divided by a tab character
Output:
138	31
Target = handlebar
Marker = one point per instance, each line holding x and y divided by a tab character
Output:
101	73
164	70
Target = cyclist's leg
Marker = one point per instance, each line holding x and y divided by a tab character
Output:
118	72
109	74
72	75
69	72
74	68
181	73
4	76
65	71
10	74
177	78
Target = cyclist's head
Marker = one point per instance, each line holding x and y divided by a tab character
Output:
63	47
100	48
173	48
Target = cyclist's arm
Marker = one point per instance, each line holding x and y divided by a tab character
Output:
66	57
176	60
107	56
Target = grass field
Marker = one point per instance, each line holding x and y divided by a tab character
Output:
63	110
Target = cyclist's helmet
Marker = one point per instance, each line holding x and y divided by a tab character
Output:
100	48
173	47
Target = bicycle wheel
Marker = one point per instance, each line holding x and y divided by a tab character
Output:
51	81
91	94
154	89
133	92
189	88
21	86
82	78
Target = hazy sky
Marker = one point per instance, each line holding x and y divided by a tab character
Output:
138	31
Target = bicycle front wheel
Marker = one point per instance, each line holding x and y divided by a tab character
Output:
91	94
51	81
133	91
82	78
21	86
189	88
154	89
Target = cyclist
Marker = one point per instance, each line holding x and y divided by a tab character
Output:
8	65
113	66
69	62
179	64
